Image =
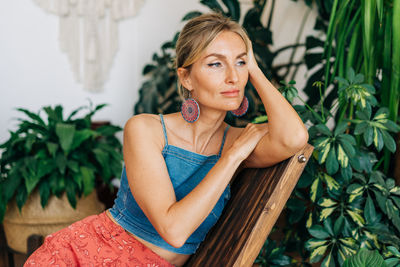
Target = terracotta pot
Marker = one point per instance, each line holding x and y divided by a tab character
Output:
33	219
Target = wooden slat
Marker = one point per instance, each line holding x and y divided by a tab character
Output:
258	197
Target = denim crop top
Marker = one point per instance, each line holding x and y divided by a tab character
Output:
186	169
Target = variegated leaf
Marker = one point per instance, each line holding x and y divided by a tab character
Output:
342	157
313	243
318	252
327	202
348	241
324	153
357	218
330	182
314	189
325	213
309	220
395	190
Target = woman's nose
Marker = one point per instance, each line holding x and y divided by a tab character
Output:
231	75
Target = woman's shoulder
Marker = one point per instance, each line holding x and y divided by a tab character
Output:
144	128
143	121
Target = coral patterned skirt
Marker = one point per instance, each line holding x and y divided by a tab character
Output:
94	241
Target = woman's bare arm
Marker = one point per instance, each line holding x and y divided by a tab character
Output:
286	132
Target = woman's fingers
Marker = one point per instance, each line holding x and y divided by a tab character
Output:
248	139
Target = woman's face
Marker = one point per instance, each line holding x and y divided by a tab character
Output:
218	78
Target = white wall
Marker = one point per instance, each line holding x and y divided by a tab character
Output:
35	73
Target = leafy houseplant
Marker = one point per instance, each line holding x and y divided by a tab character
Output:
344	201
362	35
57	155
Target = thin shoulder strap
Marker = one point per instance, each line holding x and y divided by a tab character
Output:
223	140
164	130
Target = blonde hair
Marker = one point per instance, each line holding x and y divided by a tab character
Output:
196	35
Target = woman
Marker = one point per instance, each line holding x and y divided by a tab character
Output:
178	167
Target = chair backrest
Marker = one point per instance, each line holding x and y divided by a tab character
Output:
258	197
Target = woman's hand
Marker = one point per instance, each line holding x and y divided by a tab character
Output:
244	145
252	65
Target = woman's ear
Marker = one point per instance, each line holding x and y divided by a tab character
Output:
183	75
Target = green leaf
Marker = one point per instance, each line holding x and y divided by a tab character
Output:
10	184
88	180
21	196
350	151
328	261
52	148
33	116
81	136
316	189
234	9
395	190
61	162
365	258
324	152
347	172
394	251
31	182
326	202
354	190
392	127
328	226
325	213
360	128
65	133
330	182
368	136
340	128
108	130
45	167
71	193
390	183
318	231
338	226
389	141
317	253
356	216
103	159
191	15
212	4
332	164
44	191
378	140
382	113
381	200
342	156
369	210
392	262
322	128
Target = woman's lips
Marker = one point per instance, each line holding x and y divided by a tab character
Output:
231	93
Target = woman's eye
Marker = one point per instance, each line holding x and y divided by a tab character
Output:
241	63
215	64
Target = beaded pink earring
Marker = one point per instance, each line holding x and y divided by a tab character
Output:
244	106
190	110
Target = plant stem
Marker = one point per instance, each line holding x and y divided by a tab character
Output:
312	110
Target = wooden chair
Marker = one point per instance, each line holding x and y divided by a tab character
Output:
257	198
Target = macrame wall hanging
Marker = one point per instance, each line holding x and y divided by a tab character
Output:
88	34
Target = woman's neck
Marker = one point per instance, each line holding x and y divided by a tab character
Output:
205	128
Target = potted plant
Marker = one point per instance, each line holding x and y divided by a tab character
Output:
54	160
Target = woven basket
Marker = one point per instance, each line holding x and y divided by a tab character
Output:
33	219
